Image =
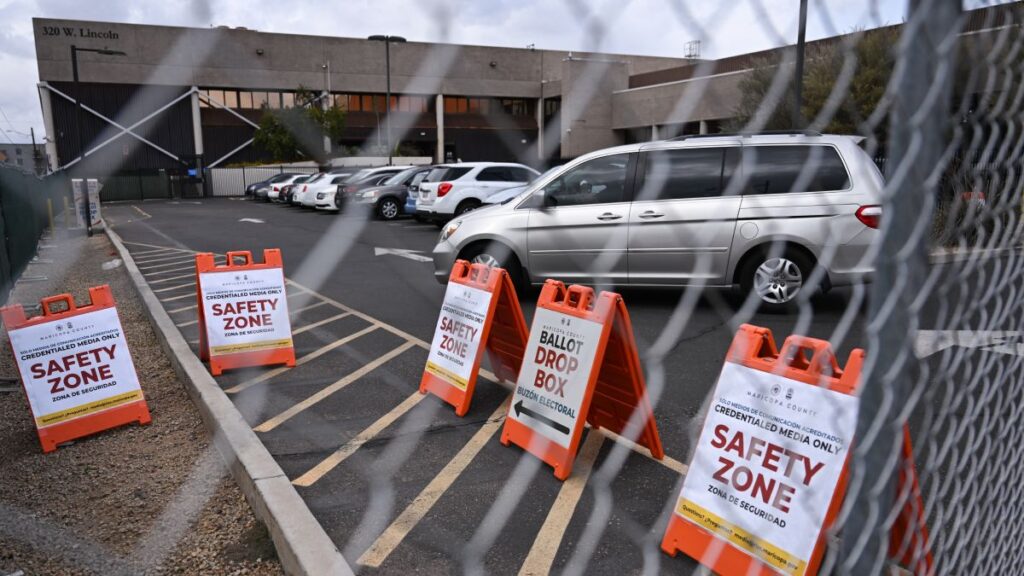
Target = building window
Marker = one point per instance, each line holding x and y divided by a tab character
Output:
17	151
203	95
259	100
245	100
287	99
231	99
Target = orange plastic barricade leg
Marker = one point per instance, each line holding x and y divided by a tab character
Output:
581	366
805	375
243	312
75	367
480	311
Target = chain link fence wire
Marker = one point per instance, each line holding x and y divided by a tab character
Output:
937	102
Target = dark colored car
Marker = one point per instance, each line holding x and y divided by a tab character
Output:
251	189
357	183
388	200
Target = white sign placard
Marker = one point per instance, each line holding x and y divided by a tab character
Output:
553	380
75	366
245	310
94	186
767	464
458	335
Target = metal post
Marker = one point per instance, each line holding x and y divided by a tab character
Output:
387	98
798	81
918	120
81	138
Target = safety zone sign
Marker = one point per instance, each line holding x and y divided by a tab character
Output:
243	312
76	368
480	312
767	463
581	367
555	374
458	335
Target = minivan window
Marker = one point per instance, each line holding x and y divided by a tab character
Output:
598	181
776	169
682	174
446	173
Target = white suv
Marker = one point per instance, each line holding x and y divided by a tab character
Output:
450	190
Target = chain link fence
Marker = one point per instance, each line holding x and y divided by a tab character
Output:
26	203
937	103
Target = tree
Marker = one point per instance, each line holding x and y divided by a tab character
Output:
873	56
297	132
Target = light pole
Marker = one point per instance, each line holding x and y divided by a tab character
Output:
78	121
798	86
387	40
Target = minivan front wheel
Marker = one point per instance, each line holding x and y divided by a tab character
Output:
777	280
387	209
496	255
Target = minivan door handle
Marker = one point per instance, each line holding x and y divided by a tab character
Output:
651	214
609	216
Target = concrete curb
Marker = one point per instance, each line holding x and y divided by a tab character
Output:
303	546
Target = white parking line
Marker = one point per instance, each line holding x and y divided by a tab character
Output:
331	462
189	323
146	269
331	389
320	323
421	505
294	313
162	280
178	287
160	258
182	297
549	538
159	272
186	308
311	356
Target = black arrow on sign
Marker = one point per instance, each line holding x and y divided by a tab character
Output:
542	419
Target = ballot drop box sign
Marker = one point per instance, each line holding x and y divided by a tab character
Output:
75	367
245	311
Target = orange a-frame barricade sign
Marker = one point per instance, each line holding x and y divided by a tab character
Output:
581	366
768	474
75	367
243	312
480	311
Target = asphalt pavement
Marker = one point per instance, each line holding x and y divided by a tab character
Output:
399	482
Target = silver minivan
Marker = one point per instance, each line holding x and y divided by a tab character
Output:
764	212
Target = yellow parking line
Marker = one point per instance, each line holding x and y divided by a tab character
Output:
331	462
310	307
178	287
311	356
325	392
185	309
421	505
182	297
321	323
549	539
668	461
172	278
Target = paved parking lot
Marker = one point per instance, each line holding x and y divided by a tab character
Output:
398	481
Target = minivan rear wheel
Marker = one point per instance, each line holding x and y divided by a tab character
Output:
777	280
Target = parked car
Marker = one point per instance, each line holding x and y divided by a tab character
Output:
413	194
454	189
510	193
274	191
284	191
295	193
715	211
334	200
260	189
387	200
307	195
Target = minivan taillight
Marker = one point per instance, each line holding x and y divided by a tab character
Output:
443	188
869	215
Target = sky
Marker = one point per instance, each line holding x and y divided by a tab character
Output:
652	27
